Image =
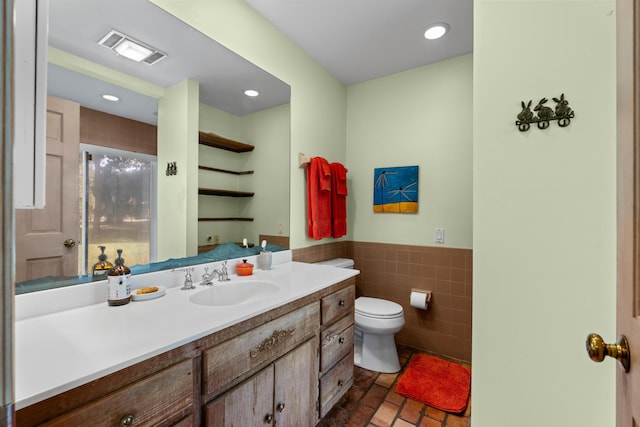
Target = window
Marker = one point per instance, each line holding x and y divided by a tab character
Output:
118	206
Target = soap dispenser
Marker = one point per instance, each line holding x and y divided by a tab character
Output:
264	258
119	282
100	269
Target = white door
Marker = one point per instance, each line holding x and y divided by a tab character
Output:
46	239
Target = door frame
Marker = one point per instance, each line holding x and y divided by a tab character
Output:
6	216
628	205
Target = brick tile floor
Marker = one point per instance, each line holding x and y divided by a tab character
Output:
373	402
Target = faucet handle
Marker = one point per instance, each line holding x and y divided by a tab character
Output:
224	273
188	281
207	277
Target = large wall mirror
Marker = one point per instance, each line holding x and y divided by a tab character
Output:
111	169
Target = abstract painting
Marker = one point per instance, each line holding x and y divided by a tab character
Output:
395	189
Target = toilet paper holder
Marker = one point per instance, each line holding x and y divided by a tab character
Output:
420	298
422	291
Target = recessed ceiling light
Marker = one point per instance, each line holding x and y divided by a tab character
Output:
108	97
251	92
132	50
435	31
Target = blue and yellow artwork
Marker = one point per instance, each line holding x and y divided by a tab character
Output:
395	189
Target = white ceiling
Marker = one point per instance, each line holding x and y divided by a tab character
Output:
355	40
359	40
76	26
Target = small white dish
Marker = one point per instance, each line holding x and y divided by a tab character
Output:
151	295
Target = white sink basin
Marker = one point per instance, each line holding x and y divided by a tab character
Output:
234	293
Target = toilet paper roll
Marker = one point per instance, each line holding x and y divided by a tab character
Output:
419	300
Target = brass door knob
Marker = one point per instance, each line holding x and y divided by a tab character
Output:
69	243
598	350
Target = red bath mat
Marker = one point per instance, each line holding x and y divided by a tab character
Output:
436	382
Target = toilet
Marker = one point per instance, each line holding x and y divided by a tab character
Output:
376	322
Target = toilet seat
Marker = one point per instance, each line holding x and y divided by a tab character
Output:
377	308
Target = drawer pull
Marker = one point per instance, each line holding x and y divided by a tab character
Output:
127	420
276	338
341	340
340	383
280	407
341	303
268	418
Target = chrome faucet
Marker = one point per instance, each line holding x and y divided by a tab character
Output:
207	278
223	273
188	281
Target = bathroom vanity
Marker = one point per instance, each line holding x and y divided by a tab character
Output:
284	359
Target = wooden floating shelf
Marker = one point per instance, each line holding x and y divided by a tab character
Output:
216	141
207	248
226	193
226	219
207	168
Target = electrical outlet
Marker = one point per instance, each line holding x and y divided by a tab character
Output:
280	229
439	235
216	239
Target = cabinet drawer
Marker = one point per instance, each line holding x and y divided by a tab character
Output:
337	341
227	363
162	399
337	304
335	383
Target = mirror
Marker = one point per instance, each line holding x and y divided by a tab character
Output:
80	70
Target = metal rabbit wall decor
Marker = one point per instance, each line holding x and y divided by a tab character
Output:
562	113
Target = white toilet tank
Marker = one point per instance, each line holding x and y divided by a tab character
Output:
338	262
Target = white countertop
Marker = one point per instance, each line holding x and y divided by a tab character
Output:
58	351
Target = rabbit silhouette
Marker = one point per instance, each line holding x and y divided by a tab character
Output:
562	107
544	112
525	115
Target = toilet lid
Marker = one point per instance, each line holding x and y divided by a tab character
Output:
378	308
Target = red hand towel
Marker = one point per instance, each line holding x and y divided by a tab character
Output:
318	198
338	200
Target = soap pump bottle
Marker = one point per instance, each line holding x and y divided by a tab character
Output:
264	259
100	269
119	282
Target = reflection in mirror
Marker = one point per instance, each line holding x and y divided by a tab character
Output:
80	71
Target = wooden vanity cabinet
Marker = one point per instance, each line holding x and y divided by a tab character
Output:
285	367
336	347
284	391
226	364
282	394
165	398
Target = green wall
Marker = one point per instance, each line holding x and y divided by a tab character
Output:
269	207
417	117
544	207
543	201
177	218
318	100
269	131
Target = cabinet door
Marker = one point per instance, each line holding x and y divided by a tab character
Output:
296	386
162	399
248	405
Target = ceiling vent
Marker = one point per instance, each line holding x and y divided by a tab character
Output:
130	48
